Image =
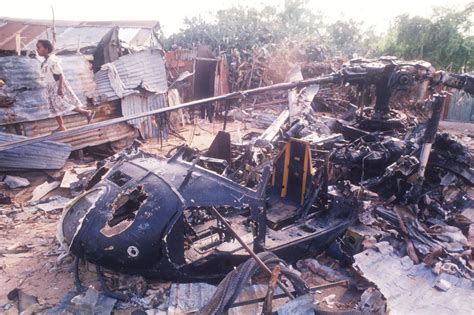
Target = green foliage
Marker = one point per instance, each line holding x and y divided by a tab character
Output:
249	28
442	39
445	39
348	38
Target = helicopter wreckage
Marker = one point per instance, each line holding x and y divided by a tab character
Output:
156	216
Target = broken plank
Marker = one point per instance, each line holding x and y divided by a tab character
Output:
68	178
42	190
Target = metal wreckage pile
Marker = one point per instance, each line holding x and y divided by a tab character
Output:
389	199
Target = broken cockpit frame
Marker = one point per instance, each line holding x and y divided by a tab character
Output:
149	215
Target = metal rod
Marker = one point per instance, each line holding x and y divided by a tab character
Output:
102	124
430	131
250	251
267	308
226	114
77	278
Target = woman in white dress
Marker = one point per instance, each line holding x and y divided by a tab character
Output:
61	97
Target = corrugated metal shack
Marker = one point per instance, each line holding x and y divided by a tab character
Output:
210	73
140	81
130	78
460	107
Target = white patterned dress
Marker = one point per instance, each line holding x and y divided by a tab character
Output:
58	104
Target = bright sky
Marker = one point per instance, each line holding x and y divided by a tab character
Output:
170	13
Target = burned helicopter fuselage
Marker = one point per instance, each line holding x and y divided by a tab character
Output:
148	216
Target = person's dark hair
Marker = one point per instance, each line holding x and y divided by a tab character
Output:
46	44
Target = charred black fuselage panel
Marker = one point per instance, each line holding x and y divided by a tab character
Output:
129	224
135	222
148	216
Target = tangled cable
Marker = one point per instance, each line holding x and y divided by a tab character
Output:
231	286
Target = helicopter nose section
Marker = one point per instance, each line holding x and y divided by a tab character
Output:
123	228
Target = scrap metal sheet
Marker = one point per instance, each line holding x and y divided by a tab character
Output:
409	288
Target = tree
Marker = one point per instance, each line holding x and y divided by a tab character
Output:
443	39
345	37
248	28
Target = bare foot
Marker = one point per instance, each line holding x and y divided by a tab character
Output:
90	115
59	129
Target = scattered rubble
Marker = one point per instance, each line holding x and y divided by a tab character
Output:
15	182
42	190
412	288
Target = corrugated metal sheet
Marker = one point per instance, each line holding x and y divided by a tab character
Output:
46	126
78	71
136	36
104	112
100	136
25	85
124	24
28	34
78	38
188	297
43	155
130	24
140	103
186	54
461	107
72	36
72	39
91	138
75	38
104	91
145	68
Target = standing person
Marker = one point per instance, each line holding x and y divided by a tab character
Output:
61	97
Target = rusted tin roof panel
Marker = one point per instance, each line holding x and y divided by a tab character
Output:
77	70
103	112
131	24
28	34
138	103
41	127
100	136
145	68
24	86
